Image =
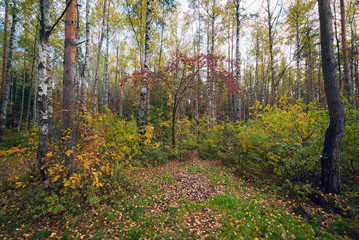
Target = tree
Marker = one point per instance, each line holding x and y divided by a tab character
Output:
105	80
334	134
141	121
347	78
44	80
69	89
95	89
4	55
238	73
84	81
6	87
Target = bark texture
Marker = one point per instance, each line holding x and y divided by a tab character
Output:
84	73
6	88
347	78
334	134
43	80
273	98
95	91
4	56
238	73
105	81
141	121
22	96
69	88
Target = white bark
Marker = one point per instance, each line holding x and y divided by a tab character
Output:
105	82
43	80
95	93
144	89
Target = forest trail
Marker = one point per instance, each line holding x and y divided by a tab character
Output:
192	199
200	199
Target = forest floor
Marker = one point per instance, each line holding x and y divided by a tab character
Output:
193	199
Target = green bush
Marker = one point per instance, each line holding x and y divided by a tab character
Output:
281	145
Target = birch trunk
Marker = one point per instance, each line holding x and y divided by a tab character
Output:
50	105
333	137
84	79
5	95
43	80
95	91
144	89
105	81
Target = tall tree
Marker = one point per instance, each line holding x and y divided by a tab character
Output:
43	83
84	65
6	88
144	89
22	95
43	80
334	134
337	43
272	22
347	78
238	73
95	89
105	80
4	54
69	89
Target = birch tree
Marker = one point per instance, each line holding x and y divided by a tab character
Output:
141	121
95	90
44	80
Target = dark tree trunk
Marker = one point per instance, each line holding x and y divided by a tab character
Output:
4	55
6	88
31	84
334	134
22	96
238	73
173	130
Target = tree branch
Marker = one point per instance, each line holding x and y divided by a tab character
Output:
62	14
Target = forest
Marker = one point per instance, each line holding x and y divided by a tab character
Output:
179	119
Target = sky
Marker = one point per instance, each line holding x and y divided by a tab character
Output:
251	6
